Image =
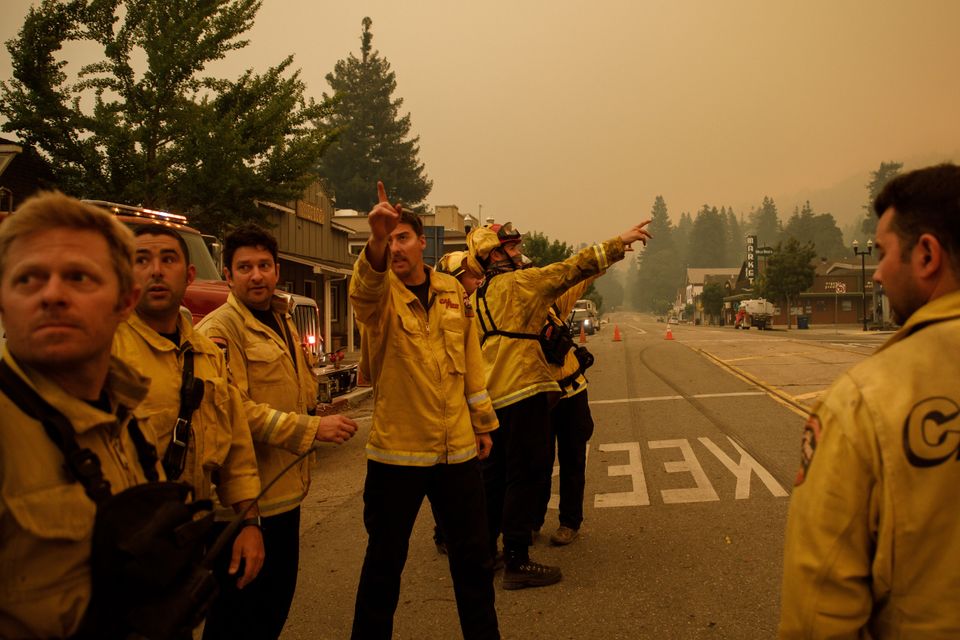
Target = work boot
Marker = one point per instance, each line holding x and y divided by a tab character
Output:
522	572
563	536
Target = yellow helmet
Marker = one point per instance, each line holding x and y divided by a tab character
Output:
452	263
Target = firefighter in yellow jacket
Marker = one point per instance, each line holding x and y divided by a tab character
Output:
202	433
432	419
873	528
269	367
512	306
571	426
65	285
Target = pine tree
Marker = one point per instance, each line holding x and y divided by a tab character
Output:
884	174
659	270
166	137
708	239
372	142
820	231
736	243
765	224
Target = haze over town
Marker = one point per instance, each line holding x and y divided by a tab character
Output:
570	118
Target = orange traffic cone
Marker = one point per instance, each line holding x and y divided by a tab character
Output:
616	333
583	336
669	335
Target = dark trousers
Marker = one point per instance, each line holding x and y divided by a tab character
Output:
572	426
259	610
392	496
515	470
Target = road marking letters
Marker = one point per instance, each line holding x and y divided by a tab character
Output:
702	489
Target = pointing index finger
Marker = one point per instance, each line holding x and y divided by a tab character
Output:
381	192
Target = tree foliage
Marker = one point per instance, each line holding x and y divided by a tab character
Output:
884	174
736	242
789	271
820	230
543	251
765	223
142	125
659	270
712	298
708	239
372	136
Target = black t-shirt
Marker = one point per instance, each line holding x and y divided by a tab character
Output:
422	291
173	337
269	318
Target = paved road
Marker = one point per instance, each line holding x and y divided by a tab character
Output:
695	449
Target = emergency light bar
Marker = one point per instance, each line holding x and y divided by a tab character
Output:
140	212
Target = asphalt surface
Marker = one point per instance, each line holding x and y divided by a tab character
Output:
688	475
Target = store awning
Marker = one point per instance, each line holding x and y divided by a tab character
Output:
317	265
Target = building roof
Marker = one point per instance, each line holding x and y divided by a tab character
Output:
698	275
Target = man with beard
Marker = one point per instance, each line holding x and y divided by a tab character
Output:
269	367
871	544
198	439
432	420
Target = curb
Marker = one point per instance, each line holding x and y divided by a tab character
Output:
780	395
347	401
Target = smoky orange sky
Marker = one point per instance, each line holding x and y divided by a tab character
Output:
571	117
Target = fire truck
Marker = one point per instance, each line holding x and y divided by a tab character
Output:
208	291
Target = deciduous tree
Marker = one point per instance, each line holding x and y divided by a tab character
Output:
543	251
789	272
143	125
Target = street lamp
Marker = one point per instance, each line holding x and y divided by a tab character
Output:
863	275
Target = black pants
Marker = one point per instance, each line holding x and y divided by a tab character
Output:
392	496
572	426
515	471
259	610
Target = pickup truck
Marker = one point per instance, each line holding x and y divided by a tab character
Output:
754	313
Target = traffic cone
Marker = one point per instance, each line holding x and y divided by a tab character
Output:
669	335
616	333
583	336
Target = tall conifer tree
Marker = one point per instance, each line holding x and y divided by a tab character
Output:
372	136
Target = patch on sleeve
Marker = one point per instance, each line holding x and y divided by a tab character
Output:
222	345
808	446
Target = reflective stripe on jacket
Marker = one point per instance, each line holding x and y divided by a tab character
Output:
518	302
873	533
276	397
219	437
46	519
570	364
426	369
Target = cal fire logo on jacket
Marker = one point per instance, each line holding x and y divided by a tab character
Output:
931	432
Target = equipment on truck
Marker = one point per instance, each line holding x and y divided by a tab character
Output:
754	313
